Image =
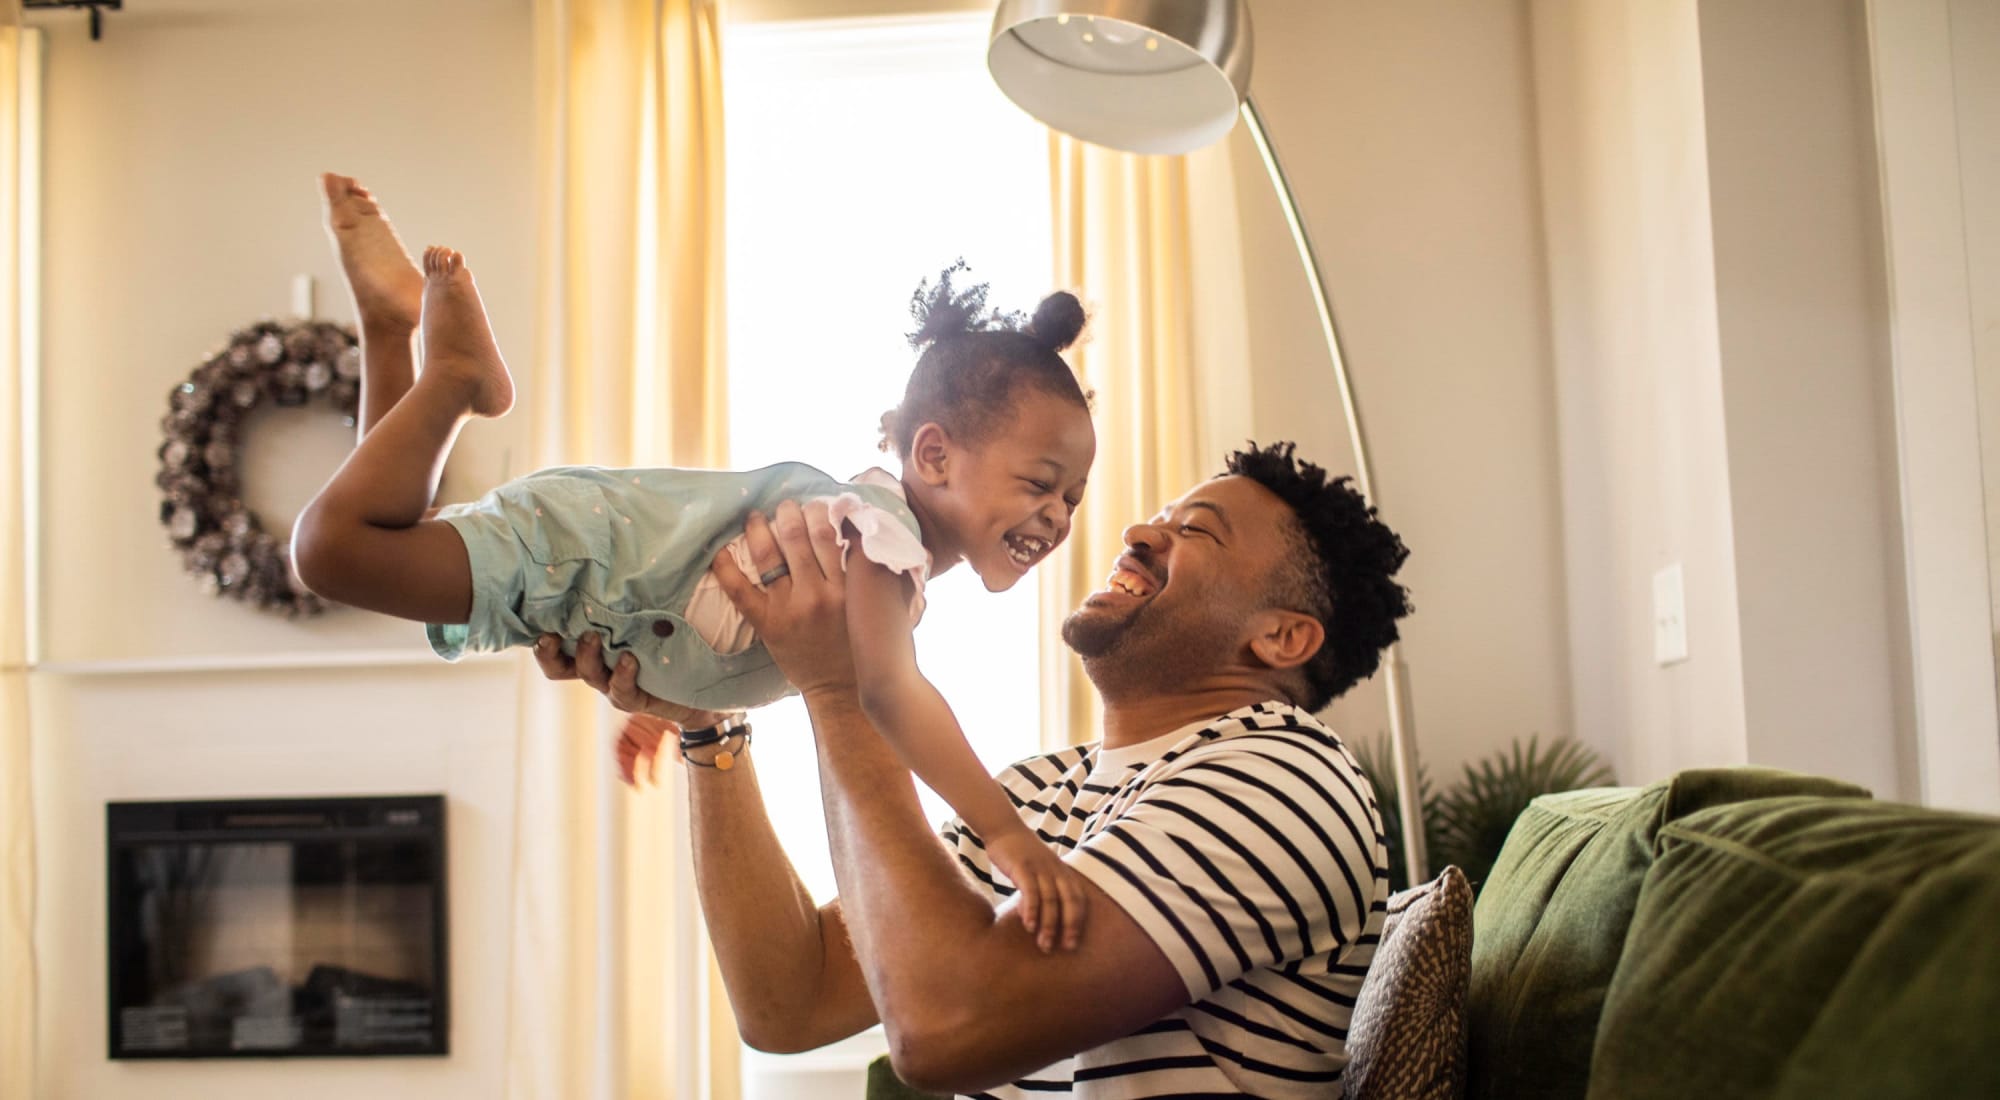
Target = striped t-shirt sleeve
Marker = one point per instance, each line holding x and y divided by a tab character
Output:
1252	853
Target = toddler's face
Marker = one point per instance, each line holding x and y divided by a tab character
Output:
1010	496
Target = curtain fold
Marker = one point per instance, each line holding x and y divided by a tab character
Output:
612	990
19	68
1123	245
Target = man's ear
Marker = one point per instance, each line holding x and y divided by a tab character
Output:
930	454
1284	640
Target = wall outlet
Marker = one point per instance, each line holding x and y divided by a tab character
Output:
1670	635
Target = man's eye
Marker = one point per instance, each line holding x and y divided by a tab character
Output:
1191	528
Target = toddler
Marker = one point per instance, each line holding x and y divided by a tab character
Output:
995	439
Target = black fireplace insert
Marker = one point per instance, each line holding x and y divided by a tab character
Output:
277	927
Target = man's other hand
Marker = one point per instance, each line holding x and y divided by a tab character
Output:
619	684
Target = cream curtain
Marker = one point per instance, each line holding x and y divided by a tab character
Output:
1124	244
612	991
19	80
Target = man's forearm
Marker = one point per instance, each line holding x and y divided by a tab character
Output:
915	919
969	999
788	968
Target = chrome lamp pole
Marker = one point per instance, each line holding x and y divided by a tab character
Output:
1169	77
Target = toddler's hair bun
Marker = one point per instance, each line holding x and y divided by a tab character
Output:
1058	321
973	360
942	311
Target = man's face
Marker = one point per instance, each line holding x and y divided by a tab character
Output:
1178	600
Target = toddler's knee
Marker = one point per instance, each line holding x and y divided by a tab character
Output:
315	556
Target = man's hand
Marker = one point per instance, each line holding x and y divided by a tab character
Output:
800	617
620	685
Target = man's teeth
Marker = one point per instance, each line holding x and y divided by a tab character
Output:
1130	583
1025	549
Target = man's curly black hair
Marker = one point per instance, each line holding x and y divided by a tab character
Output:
973	358
1340	570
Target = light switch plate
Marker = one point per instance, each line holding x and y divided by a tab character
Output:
1670	636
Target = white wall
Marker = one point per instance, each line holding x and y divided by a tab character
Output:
181	155
1803	320
1975	41
1718	300
181	198
1408	132
1938	245
1645	466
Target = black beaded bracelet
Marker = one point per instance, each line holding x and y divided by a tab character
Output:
709	735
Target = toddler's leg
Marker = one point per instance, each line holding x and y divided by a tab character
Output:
387	289
363	540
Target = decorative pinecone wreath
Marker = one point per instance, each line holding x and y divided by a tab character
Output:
221	541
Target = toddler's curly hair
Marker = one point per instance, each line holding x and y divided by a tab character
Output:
974	360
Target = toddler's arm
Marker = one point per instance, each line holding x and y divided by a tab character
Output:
914	718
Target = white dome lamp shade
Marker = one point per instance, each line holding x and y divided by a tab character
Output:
1144	76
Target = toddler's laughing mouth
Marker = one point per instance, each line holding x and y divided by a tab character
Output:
1026	550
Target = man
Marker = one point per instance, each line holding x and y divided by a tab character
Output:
1234	853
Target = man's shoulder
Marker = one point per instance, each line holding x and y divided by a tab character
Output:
1044	770
1272	716
1271	729
1274	731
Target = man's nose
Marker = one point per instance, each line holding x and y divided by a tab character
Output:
1145	537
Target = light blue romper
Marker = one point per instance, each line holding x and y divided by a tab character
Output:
580	549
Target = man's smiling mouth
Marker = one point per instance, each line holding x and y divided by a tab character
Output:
1129	578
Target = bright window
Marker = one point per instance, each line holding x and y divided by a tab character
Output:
863	156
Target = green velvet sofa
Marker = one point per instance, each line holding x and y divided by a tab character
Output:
1731	933
1738	933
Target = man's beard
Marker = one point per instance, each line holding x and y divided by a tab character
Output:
1144	652
1093	636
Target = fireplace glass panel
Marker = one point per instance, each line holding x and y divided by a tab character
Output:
277	928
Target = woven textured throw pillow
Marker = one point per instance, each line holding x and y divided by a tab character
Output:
1407	1037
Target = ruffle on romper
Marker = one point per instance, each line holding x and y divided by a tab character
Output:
883	539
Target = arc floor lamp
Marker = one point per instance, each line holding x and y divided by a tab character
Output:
1167	77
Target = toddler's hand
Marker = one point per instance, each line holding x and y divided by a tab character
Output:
638	746
1052	899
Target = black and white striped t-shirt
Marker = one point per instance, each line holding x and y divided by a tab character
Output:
1250	849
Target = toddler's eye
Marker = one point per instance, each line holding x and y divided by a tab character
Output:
1042	487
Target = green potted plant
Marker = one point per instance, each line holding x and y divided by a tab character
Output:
1467	824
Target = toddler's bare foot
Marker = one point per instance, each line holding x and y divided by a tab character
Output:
388	288
458	339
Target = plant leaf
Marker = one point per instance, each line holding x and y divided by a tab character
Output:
1473	818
